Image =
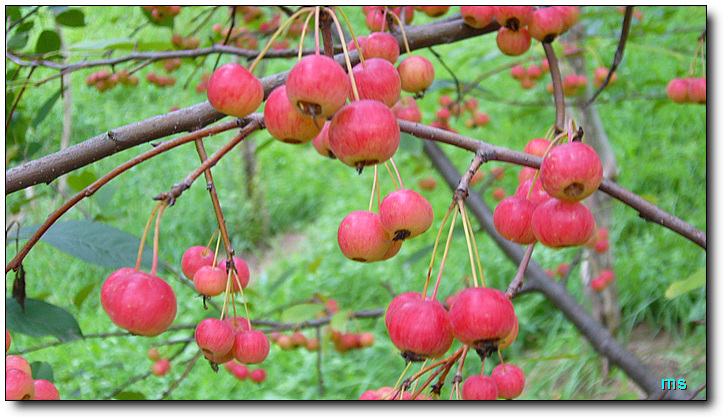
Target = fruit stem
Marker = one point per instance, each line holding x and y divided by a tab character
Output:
215	253
399	177
317	42
145	235
434	251
351	30
303	34
444	255
346	54
156	235
462	210
394	180
404	35
374	187
465	217
212	237
399	381
276	34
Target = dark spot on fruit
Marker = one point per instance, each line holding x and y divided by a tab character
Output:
309	109
401	235
575	189
410	356
485	348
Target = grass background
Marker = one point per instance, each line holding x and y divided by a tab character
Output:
661	151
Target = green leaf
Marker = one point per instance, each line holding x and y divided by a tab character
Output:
48	42
13	13
25	26
71	18
45	109
315	265
82	295
18	41
42	370
130	396
78	181
340	319
41	319
96	243
301	313
693	282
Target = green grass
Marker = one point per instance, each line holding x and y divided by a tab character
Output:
661	151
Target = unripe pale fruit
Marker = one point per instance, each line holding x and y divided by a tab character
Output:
364	133
481	317
214	337
571	171
479	387
194	258
362	237
513	219
416	73
510	337
18	385
251	347
233	90
284	123
405	214
317	86
45	390
510	380
376	79
558	224
139	302
477	16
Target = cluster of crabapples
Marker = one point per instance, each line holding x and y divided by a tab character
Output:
161	365
687	90
520	24
482	318
19	382
546	206
103	80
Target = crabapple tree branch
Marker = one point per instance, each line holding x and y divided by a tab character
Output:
47	168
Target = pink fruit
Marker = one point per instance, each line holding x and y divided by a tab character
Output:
45	390
510	380
17	362
398	301
434	11
510	337
233	90
242	269
546	24
696	90
321	142
161	367
210	280
8	340
513	43
481	317
420	329
538	195
677	90
537	146
285	123
362	237
570	16
138	302
513	219
514	17
251	347
416	73
258	375
377	79
380	45
477	16
405	214
238	323
194	258
153	354
479	387
571	171
364	133
317	86
18	385
370	395
240	372
214	337
557	223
